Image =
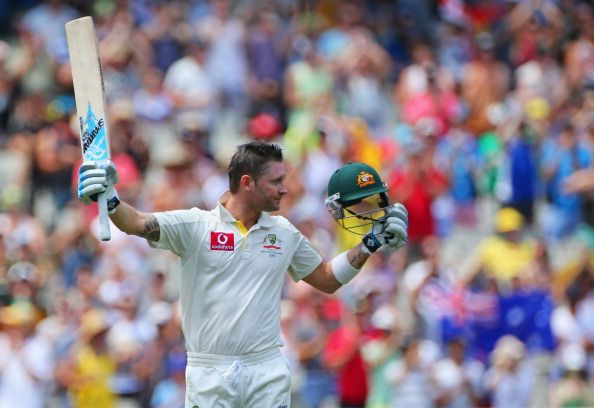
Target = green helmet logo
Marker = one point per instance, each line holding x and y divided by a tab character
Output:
354	182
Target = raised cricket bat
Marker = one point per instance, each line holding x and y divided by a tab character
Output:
89	92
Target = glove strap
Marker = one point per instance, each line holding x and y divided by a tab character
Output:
112	204
371	243
113	200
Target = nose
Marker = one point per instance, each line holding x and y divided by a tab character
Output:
283	189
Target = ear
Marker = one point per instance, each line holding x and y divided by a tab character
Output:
246	182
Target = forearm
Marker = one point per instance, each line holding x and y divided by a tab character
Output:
357	257
340	270
345	265
134	222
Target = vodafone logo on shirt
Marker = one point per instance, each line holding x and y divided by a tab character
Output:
222	241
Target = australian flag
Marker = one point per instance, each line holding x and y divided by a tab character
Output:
483	317
458	308
523	314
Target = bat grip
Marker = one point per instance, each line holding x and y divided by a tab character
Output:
104	231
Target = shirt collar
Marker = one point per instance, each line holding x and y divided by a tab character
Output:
224	215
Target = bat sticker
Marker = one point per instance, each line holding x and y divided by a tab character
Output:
94	141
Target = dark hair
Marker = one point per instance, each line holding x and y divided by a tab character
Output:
252	159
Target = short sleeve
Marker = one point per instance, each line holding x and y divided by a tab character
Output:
177	229
305	259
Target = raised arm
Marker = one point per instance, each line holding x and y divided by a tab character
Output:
131	221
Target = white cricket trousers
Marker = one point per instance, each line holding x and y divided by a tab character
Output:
258	380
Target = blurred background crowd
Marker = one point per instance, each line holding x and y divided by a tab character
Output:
477	113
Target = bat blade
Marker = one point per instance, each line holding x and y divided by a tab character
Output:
89	93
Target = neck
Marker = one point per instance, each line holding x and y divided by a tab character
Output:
241	210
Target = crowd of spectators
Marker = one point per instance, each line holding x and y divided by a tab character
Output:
479	114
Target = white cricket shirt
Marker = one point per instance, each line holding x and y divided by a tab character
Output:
231	283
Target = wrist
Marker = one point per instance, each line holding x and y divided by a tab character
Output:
342	268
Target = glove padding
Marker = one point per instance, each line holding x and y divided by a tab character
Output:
94	179
391	230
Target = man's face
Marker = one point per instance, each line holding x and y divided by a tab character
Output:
270	187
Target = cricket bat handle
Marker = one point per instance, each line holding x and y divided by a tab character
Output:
104	231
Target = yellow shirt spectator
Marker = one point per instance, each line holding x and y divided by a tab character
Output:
504	260
86	372
93	372
504	255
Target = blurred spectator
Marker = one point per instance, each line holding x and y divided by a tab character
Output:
532	24
47	21
225	60
266	53
176	177
417	184
578	55
457	157
425	91
188	83
520	181
170	392
541	80
410	379
54	153
167	342
421	313
321	161
491	160
455	43
510	378
307	93
76	249
167	31
315	318
562	156
485	83
122	52
25	284
363	66
571	320
342	353
572	388
458	378
26	367
151	102
289	348
128	338
501	257
89	368
345	23
380	351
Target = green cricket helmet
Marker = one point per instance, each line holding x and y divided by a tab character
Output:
350	185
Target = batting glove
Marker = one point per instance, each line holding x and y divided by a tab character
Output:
94	179
391	230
